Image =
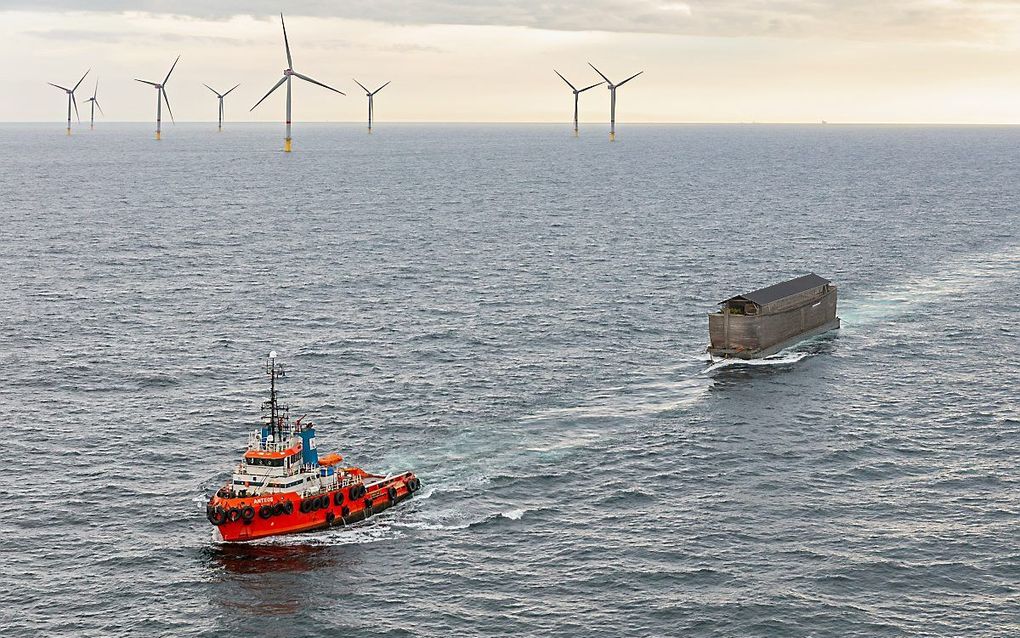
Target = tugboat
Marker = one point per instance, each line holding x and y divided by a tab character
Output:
283	486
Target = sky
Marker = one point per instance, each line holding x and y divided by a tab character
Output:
847	61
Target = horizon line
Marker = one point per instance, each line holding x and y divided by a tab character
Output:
554	123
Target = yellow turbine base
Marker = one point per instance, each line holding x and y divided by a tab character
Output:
68	130
286	145
612	137
369	130
157	135
575	132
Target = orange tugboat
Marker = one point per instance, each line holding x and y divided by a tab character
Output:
282	485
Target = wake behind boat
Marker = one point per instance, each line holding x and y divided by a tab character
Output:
282	485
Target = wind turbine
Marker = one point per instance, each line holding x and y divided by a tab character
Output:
161	97
370	95
95	104
221	99
289	73
71	100
577	93
612	99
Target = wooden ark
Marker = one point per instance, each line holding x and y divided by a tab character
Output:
765	321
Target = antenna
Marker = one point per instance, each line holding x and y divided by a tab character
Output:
277	416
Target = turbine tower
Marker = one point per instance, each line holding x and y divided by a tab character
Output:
612	99
221	101
370	95
577	93
161	97
289	73
95	105
71	100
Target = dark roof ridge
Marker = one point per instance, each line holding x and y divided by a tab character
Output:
783	289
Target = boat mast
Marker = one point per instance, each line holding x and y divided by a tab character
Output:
277	413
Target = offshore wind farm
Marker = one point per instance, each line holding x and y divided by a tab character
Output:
289	73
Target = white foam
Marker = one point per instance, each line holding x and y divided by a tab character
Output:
781	359
967	275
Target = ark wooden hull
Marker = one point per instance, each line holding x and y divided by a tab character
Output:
753	336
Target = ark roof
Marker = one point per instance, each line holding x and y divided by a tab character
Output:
783	289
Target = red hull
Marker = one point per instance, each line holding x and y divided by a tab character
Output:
253	517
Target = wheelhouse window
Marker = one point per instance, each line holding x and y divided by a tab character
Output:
261	461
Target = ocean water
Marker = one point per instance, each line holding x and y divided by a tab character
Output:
519	317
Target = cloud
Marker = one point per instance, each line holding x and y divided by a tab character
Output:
926	20
122	37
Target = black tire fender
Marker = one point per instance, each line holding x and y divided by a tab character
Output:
217	516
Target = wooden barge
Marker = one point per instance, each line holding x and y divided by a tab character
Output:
763	322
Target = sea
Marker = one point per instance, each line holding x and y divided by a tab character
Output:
520	317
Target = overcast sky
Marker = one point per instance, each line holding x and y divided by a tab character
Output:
476	60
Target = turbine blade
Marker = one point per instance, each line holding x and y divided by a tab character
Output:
210	88
361	85
608	81
228	92
286	43
75	102
80	81
380	88
96	90
58	86
629	79
564	79
591	87
145	82
171	70
275	86
168	109
96	102
325	86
